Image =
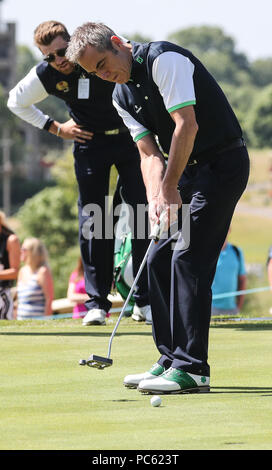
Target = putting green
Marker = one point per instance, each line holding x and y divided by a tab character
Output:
48	401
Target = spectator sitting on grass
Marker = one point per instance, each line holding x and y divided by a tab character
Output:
35	287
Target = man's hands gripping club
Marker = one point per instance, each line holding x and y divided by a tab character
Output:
163	198
163	209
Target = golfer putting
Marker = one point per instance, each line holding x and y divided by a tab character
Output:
162	90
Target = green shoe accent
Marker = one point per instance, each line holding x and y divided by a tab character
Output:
180	377
157	369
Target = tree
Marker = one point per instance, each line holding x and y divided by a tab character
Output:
262	72
25	61
51	215
64	175
217	52
242	99
260	119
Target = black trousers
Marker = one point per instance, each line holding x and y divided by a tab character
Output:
93	161
180	279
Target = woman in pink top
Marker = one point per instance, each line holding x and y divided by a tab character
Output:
76	291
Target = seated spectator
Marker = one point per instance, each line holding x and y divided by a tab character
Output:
9	267
76	291
35	289
230	276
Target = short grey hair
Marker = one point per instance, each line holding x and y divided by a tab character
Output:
97	35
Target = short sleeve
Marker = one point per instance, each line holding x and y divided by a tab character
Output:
173	74
137	130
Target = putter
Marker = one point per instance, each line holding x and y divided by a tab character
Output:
100	362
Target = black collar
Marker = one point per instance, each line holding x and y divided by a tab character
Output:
138	60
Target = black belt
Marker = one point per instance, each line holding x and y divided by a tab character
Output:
237	143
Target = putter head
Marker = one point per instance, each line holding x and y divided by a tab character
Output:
98	362
82	362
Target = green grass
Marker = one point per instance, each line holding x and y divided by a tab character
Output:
253	234
49	402
260	164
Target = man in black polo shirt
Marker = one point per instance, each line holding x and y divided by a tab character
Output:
100	141
163	90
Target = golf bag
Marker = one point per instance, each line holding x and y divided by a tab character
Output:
122	273
122	263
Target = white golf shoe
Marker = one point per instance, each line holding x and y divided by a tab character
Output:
132	381
142	314
95	316
175	381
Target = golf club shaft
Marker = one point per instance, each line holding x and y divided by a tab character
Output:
130	294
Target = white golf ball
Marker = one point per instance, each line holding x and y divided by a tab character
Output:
155	401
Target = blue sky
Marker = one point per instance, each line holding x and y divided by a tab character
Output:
248	22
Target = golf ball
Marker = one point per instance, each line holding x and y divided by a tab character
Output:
155	401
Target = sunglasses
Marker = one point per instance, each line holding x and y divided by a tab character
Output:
52	57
